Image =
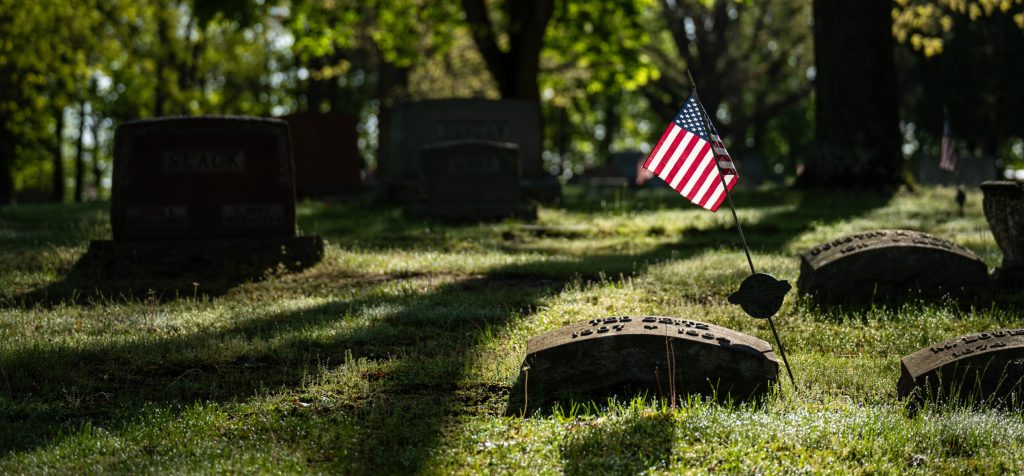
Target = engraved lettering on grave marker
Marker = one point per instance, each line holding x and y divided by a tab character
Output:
202	161
487	130
480	165
253	215
156	218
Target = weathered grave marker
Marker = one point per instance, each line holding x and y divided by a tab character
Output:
623	356
472	180
417	124
983	368
326	154
889	265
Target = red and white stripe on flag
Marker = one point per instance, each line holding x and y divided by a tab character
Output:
686	162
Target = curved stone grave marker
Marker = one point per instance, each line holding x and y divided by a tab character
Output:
623	356
889	265
984	368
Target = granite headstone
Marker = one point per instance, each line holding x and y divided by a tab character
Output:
472	180
413	125
206	194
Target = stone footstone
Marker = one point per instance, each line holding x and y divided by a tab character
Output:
985	368
889	266
624	356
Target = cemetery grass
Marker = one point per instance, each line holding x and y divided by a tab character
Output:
396	354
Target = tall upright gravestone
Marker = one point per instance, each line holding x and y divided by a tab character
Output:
206	192
414	125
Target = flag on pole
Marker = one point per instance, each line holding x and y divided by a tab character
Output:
947	159
685	158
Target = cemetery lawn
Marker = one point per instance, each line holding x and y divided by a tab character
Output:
396	353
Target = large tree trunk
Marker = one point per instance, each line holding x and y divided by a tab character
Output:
516	69
856	117
58	158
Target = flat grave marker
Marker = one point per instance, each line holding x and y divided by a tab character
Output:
889	265
622	356
983	368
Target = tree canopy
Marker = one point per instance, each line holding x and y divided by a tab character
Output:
607	75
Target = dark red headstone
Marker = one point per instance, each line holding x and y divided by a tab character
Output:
326	154
202	177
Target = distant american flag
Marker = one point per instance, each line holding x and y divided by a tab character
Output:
685	158
947	159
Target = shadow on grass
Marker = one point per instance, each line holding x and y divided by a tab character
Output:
48	393
51	392
643	442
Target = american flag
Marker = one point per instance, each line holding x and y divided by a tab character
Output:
685	158
947	159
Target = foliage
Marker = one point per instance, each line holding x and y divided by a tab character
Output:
927	25
752	62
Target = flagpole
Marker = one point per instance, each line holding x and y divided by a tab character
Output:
739	228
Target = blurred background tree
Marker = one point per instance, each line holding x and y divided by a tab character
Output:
607	75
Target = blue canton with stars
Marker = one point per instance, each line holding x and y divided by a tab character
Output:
689	118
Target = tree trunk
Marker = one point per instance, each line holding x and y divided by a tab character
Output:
515	70
97	171
59	192
79	152
856	117
8	146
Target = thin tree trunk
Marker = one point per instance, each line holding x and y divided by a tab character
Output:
8	145
97	149
79	152
59	192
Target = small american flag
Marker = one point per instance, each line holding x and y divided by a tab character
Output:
947	159
685	158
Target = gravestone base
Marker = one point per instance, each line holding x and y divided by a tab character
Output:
543	190
625	356
229	258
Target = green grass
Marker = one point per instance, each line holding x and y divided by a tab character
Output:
396	353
